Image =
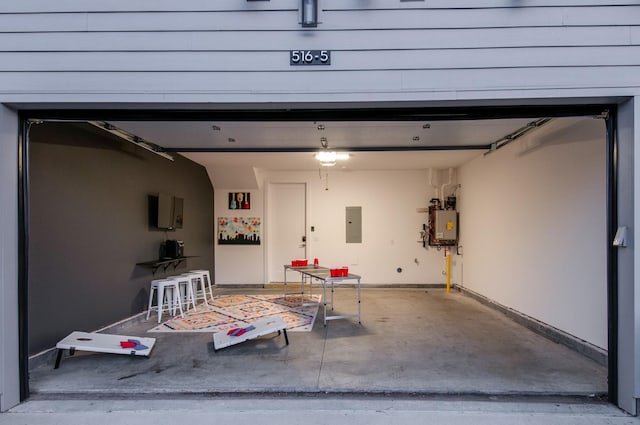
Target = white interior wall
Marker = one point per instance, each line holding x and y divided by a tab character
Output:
533	227
238	264
391	225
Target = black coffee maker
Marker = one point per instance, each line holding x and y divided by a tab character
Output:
172	249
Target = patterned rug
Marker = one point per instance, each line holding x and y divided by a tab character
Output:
236	311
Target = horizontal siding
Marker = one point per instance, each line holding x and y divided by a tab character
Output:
149	21
223	47
44	6
287	20
313	82
221	41
352	60
463	4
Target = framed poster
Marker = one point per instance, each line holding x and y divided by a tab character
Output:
239	200
238	230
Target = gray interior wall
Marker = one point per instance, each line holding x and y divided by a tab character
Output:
9	378
89	227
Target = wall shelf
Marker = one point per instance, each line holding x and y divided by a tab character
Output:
165	263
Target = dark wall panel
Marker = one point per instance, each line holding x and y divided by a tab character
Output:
89	227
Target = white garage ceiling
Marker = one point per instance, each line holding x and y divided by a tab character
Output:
232	151
283	136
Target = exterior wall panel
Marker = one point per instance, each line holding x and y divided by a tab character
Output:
279	60
42	6
305	86
391	49
9	337
362	40
351	19
214	51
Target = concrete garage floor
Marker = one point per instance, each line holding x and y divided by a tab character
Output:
411	341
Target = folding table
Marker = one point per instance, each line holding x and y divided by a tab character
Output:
323	274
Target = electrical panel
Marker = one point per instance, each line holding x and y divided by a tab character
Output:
354	224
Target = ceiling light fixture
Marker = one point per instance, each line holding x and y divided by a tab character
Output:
329	158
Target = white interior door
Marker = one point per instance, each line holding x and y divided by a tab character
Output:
286	223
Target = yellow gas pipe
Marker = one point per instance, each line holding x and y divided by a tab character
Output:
448	272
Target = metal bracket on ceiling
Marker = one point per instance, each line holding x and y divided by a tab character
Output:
509	138
131	138
124	135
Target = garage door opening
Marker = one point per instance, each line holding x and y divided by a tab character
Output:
533	232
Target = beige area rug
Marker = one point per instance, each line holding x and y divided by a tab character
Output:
237	311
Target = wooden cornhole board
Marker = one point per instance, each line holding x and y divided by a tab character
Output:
262	327
101	343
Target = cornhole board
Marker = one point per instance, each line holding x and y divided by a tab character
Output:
101	343
262	327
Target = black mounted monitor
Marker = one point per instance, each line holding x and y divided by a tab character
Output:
166	212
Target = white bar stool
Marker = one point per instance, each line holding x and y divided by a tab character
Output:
205	274
162	286
198	279
187	294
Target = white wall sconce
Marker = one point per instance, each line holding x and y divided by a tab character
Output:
309	13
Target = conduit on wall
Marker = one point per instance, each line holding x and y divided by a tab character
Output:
438	182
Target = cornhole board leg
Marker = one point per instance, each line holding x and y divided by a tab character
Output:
286	338
58	358
101	343
262	327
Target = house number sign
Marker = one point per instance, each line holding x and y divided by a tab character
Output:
309	57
